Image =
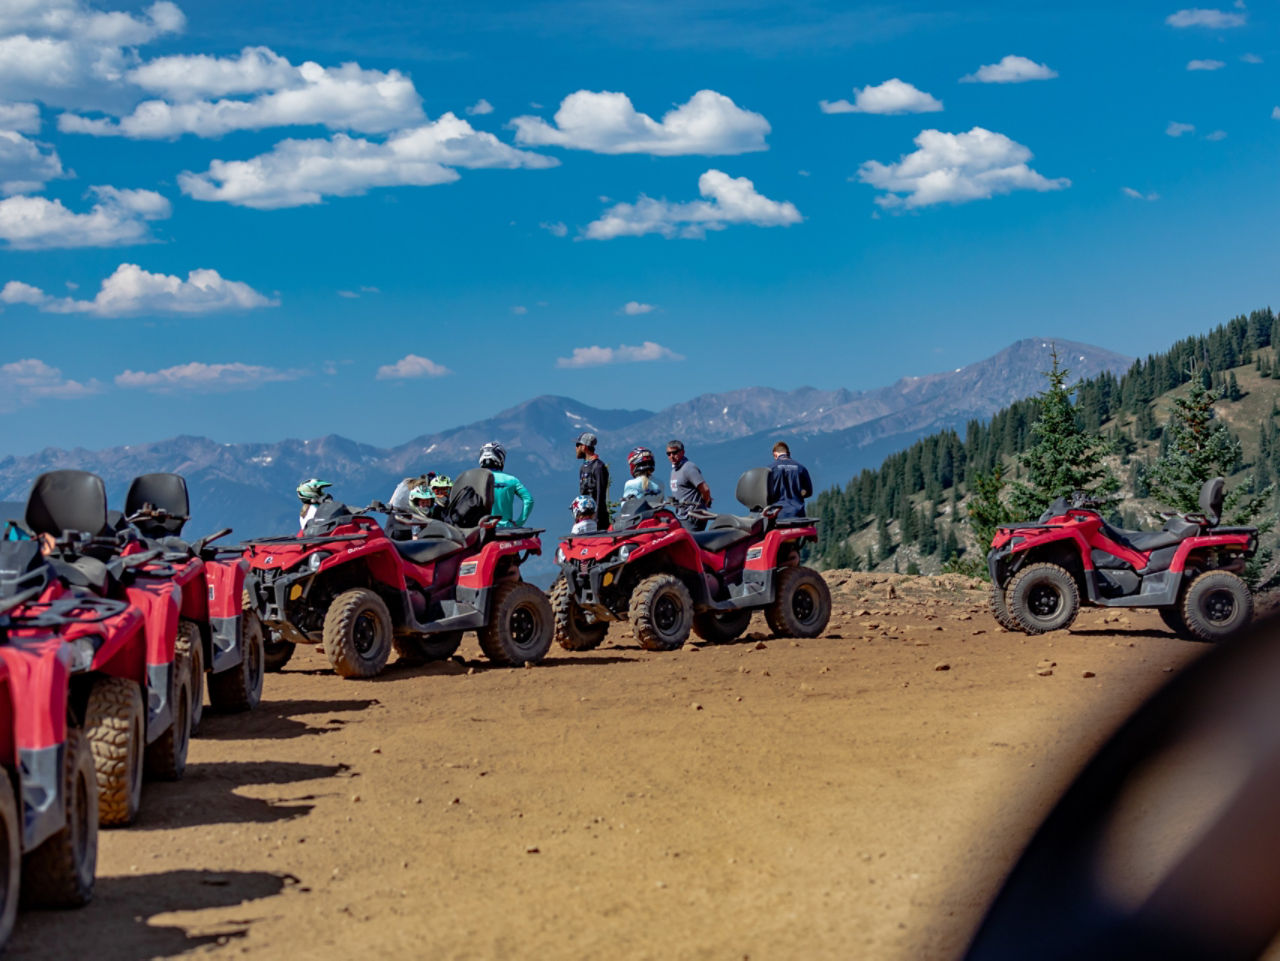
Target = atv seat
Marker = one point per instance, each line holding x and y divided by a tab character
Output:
718	539
425	551
1144	541
83	572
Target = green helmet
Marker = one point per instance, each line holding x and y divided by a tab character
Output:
312	491
421	493
441	480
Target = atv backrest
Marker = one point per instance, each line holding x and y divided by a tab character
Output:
471	499
67	500
167	492
753	489
1211	496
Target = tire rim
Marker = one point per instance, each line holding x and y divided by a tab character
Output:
804	605
1219	606
666	613
523	625
365	633
1044	600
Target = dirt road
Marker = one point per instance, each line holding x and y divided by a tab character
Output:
854	796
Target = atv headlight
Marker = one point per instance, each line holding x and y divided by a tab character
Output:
560	558
82	651
316	559
625	551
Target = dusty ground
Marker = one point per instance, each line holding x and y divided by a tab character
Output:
854	796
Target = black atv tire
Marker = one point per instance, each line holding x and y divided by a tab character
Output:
998	609
427	647
1172	618
661	612
1217	606
358	633
802	603
573	631
1043	598
190	645
60	872
520	625
115	728
721	628
10	858
166	756
239	688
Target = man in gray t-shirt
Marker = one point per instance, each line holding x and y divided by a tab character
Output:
688	487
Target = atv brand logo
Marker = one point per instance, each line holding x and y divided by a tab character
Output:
584	552
269	559
468	569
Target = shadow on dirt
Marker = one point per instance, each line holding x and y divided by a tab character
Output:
117	925
1121	632
207	794
273	720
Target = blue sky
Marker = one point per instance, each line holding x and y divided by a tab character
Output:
382	249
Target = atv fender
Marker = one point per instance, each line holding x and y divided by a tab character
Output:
161	609
224	588
36	681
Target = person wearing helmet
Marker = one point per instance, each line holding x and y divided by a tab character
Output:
593	478
584	515
506	487
312	493
641	483
400	496
441	485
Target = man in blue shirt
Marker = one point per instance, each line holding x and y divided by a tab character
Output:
789	482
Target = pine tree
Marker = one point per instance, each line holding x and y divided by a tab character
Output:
1233	387
1199	447
1064	457
883	538
986	511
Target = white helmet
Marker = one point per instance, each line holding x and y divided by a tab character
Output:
493	455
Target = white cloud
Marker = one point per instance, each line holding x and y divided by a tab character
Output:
411	365
118	218
1138	194
1214	19
349	294
632	308
24	167
1216	135
1011	70
299	172
340	98
519	310
956	168
187	77
1176	129
480	108
65	53
204	378
891	97
1205	65
708	124
556	228
25	381
1275	113
22	117
598	356
132	290
1250	58
730	200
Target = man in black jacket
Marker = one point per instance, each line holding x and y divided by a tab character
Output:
789	482
593	477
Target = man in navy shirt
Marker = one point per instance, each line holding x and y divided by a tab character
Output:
789	482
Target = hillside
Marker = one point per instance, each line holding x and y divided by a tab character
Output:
911	512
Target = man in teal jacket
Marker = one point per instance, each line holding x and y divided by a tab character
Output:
506	487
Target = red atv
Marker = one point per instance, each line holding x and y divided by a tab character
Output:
667	580
48	796
359	591
133	687
1188	571
219	627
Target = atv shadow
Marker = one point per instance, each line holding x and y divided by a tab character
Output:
1147	632
207	794
116	925
276	720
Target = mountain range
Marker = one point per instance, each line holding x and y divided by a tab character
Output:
249	486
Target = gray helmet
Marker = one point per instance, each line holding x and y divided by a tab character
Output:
493	456
587	439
